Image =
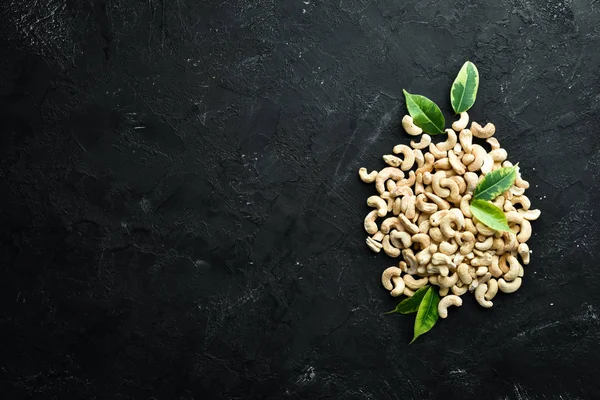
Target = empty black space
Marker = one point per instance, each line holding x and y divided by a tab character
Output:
181	215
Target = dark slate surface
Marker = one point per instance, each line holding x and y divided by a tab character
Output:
181	216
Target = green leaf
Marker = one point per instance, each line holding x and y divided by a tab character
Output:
464	88
427	315
495	183
490	215
410	304
425	113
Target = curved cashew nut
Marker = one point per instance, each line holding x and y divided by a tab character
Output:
437	153
388	248
492	289
408	225
410	258
460	181
379	203
509	287
484	260
494	144
525	232
424	225
441	259
424	256
466	140
389	223
454	216
486	244
480	156
520	182
415	284
410	127
484	230
516	191
468	242
448	248
438	269
530	215
435	184
510	241
441	203
456	164
419	157
406	182
523	251
454	189
392	161
514	270
435	219
464	205
367	177
488	164
512	217
494	267
472	180
451	300
421	205
470	226
481	271
409	210
448	281
498	155
459	290
425	141
467	159
428	166
436	234
480	292
378	236
483	133
401	240
443	291
384	175
462	122
390	185
409	156
442	163
523	201
463	274
422	239
449	143
370	225
398	286
387	275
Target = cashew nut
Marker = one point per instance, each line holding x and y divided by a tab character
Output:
494	144
462	122
398	286
388	248
384	175
448	248
492	289
448	281
415	284
428	166
524	232
488	164
455	217
401	240
422	205
498	155
424	143
443	163
483	133
436	152
443	291
436	234
509	287
514	270
530	215
459	291
451	300
409	156
370	225
454	189
486	244
410	127
379	203
374	245
495	268
419	157
472	180
424	256
464	206
455	163
387	275
466	140
422	239
441	203
480	156
367	177
523	251
449	143
463	274
408	225
480	292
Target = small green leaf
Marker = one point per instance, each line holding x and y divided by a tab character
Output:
490	215
464	88
495	183
410	304
427	315
425	113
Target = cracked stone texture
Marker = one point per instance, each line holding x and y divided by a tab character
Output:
181	216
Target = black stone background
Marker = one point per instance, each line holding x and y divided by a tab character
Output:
181	216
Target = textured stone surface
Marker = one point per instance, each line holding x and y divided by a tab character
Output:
181	216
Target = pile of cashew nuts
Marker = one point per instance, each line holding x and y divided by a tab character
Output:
422	213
